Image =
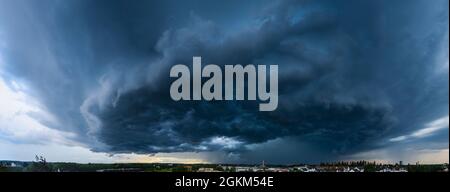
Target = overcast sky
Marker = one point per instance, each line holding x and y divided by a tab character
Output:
88	80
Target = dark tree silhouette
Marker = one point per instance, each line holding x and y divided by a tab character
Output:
40	165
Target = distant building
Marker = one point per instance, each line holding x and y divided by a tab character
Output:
188	168
244	169
306	169
277	169
207	169
392	170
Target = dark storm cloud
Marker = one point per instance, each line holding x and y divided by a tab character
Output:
351	73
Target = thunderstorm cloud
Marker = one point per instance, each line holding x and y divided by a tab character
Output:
354	75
